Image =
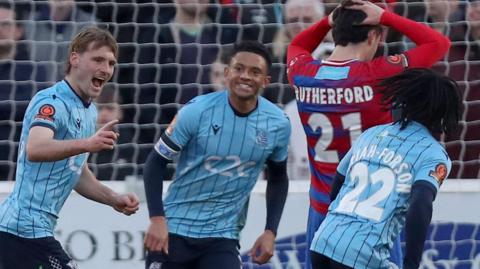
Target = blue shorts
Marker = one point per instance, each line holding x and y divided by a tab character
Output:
27	253
196	253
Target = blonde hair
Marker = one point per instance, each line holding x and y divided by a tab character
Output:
91	35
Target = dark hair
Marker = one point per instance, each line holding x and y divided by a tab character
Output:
347	26
425	96
253	47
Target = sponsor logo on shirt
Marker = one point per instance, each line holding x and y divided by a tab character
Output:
215	128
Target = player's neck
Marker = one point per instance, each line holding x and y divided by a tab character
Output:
242	106
76	88
348	52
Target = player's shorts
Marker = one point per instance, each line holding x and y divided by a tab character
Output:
320	261
196	253
32	253
314	221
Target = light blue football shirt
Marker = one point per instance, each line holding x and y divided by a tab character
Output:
41	188
369	211
222	154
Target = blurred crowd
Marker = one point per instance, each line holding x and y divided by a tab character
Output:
173	50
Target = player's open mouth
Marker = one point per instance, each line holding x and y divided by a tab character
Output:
97	82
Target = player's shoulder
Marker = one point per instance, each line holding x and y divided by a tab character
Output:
50	96
434	149
206	101
272	110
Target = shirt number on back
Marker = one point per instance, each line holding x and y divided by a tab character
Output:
367	208
350	122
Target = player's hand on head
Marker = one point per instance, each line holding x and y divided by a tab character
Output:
156	237
104	138
263	248
126	203
330	16
373	11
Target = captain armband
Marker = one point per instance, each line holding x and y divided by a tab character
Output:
166	147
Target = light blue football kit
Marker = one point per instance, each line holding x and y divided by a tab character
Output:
369	211
41	188
221	155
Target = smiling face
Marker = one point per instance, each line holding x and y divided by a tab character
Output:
91	70
246	75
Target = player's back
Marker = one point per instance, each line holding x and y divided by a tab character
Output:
222	154
336	102
370	209
41	188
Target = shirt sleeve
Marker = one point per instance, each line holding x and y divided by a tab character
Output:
47	111
185	124
434	168
280	151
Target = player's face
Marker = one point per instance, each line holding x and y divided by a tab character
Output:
91	70
246	75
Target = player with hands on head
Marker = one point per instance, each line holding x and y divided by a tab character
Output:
223	140
390	177
338	97
59	132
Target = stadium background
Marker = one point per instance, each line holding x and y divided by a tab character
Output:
157	73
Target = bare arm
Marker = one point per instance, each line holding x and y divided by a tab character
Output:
41	138
42	147
89	187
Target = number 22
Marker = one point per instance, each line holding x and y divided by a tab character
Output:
367	208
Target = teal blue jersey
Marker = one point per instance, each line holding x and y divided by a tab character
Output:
369	211
41	188
221	156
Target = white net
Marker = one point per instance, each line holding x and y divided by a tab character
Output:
164	63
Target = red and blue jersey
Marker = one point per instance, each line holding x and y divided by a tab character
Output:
337	101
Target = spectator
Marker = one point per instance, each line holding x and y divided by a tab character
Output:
298	15
257	19
440	13
217	78
176	56
18	83
117	163
463	65
51	29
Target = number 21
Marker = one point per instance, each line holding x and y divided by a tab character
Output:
351	122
